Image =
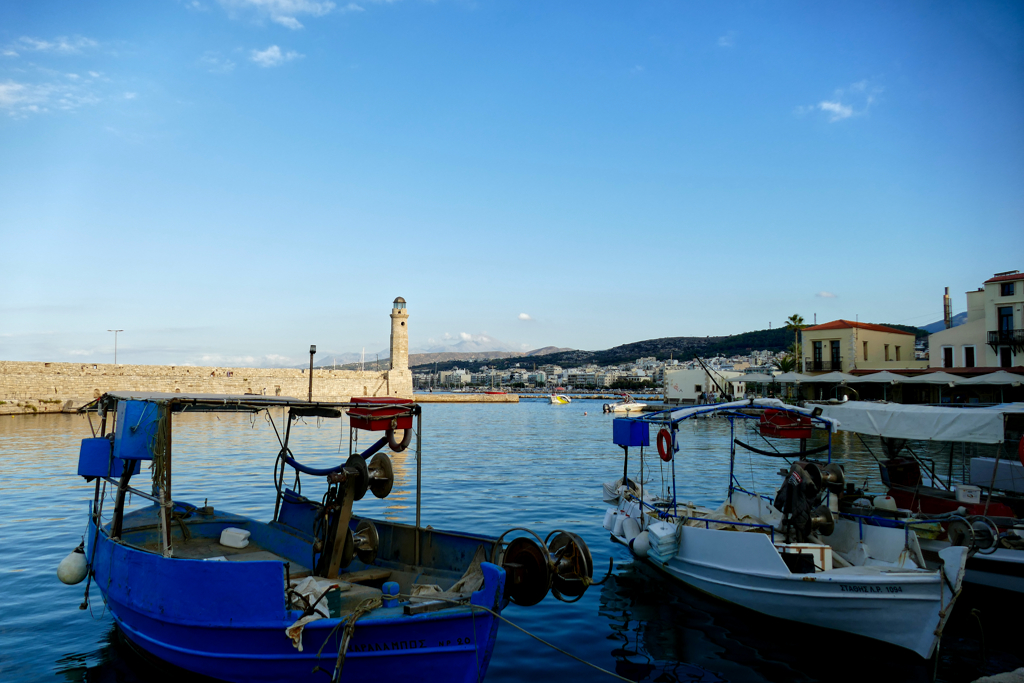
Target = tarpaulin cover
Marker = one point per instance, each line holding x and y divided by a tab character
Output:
926	423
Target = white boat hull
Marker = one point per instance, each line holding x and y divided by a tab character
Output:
626	407
906	607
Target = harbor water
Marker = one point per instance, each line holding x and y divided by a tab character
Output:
486	468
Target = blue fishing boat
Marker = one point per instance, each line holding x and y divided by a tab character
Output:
316	590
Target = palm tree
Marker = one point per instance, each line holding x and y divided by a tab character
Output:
785	363
795	322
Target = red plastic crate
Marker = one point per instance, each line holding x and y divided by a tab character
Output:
377	417
785	425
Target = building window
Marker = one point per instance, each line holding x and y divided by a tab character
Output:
897	354
1005	314
837	361
1006	289
968	356
865	350
886	353
1005	359
947	356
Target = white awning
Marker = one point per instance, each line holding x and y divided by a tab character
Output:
792	377
926	423
753	377
881	377
933	378
1000	377
834	377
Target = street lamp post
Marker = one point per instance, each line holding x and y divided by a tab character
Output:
115	343
312	352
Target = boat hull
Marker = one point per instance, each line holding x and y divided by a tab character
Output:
905	608
227	620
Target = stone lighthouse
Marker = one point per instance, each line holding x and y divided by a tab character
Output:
399	376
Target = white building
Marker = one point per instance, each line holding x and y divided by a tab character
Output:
993	335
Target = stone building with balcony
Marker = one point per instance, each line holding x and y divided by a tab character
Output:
993	336
845	345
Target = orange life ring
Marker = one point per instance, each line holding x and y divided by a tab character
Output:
665	444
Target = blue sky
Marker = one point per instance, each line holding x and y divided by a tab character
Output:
229	181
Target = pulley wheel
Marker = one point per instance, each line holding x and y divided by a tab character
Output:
358	463
528	574
366	541
382	475
960	533
823	521
834	476
574	566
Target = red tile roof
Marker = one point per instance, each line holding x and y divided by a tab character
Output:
842	324
1005	278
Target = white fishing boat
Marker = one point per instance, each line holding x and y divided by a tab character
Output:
978	504
795	557
627	405
559	399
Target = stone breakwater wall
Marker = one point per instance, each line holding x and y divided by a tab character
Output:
27	387
466	398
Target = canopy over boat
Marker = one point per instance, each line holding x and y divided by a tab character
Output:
210	402
925	423
674	416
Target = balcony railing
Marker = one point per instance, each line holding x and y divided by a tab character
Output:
811	365
1013	338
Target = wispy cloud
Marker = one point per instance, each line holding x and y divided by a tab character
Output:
56	92
272	56
216	64
854	100
728	40
525	316
59	45
826	295
283	12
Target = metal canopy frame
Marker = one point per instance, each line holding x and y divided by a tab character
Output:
170	403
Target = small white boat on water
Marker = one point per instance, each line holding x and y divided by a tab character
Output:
795	557
627	405
559	399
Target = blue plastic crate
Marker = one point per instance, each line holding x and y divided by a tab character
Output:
136	429
626	432
94	460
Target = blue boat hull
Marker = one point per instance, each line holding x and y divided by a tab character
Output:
227	620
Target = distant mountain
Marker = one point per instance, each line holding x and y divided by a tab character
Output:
681	348
958	319
428	359
469	343
547	350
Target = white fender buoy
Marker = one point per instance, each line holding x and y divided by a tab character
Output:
73	568
630	529
619	519
609	519
884	503
641	544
